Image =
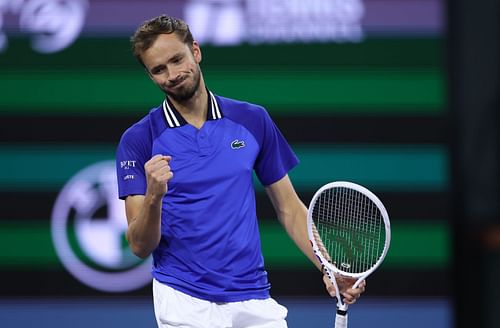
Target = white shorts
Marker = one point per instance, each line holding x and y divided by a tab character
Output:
176	309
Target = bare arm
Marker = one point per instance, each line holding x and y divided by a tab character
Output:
292	214
144	211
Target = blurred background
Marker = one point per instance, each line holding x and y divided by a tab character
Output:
397	95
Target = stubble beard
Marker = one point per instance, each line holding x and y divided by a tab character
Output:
185	93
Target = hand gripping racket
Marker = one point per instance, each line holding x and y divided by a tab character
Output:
350	233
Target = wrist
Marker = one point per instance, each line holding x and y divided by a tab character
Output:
153	199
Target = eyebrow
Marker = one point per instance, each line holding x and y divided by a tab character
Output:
175	57
157	68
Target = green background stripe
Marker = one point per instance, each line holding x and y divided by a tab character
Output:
28	246
404	168
417	244
108	53
290	92
377	76
46	168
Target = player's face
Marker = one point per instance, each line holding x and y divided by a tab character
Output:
174	66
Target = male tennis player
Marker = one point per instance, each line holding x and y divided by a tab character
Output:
185	172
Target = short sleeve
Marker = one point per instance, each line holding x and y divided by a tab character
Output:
275	157
133	151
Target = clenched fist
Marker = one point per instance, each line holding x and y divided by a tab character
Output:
158	173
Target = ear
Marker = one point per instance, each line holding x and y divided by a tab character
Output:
196	50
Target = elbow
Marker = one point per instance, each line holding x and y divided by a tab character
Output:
142	255
140	252
140	249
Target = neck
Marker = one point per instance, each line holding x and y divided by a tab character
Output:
194	110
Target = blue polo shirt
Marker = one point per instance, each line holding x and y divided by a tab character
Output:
210	244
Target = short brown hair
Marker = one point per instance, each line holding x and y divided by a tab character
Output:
146	34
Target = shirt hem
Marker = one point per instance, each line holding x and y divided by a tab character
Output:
238	296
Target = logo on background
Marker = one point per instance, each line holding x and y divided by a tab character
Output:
231	22
88	231
52	24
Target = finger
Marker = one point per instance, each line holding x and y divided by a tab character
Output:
155	158
361	287
329	286
159	158
159	172
349	298
152	164
356	292
331	291
166	176
162	172
352	295
159	164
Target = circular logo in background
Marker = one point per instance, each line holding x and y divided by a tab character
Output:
55	24
88	231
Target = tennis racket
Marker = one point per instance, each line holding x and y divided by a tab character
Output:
350	233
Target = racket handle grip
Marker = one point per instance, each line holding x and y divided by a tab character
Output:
341	319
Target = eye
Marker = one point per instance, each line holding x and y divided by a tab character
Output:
158	70
176	60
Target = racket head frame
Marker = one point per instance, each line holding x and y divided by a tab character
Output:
330	268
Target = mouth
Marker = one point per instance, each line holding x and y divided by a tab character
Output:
177	83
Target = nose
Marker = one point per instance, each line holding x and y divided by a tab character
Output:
173	78
173	75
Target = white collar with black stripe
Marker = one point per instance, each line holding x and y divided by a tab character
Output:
175	119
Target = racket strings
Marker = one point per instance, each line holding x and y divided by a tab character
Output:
350	229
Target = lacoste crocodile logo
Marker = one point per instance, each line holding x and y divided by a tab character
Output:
237	144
